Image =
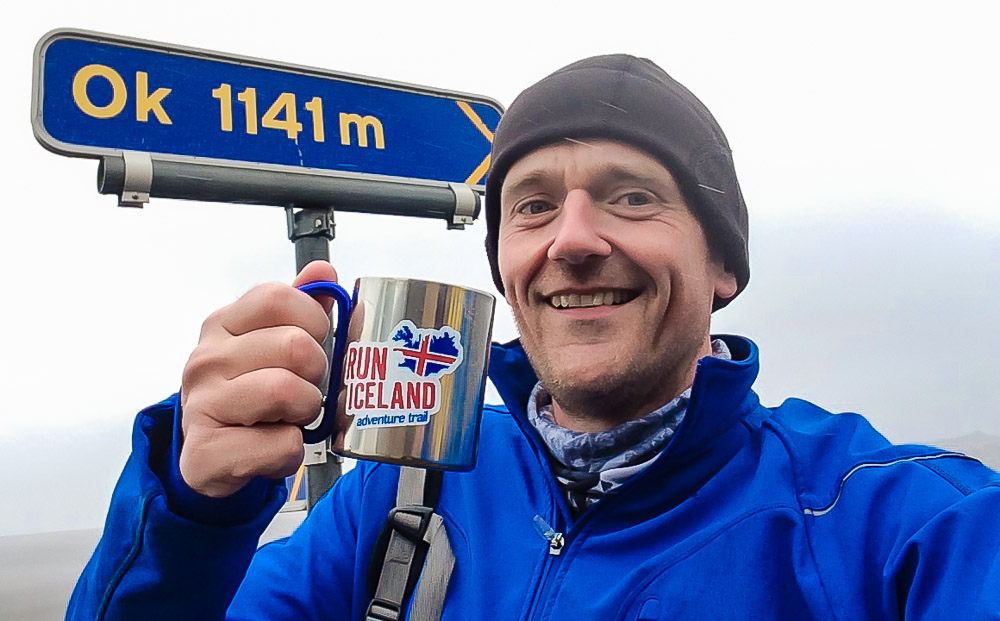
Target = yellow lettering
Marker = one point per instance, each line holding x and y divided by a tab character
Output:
225	96
315	105
361	125
118	93
249	98
146	103
284	104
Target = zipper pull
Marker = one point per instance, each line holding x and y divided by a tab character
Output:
556	540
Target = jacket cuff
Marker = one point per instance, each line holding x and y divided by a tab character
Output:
239	508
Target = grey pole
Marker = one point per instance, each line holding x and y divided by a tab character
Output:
136	177
311	230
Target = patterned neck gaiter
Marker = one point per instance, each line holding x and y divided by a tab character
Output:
590	465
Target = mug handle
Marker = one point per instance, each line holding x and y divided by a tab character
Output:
338	293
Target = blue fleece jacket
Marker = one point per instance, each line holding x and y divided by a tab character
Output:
749	513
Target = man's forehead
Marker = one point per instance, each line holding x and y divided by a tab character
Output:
596	159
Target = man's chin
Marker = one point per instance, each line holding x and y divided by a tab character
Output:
584	390
586	374
613	392
580	379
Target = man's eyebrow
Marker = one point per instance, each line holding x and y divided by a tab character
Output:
610	173
618	173
529	180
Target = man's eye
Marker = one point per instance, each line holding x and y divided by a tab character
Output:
635	199
534	208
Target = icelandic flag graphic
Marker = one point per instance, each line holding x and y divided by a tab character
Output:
428	352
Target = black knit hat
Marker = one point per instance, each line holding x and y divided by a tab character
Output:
629	99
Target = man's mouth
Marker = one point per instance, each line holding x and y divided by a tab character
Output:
597	298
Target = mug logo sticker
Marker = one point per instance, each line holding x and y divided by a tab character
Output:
399	382
434	351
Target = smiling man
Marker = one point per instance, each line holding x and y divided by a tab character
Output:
631	473
610	278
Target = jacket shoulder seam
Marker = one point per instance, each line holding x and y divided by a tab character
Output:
918	459
952	480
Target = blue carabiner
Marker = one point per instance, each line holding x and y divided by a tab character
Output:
340	295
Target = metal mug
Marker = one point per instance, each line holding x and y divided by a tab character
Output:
408	377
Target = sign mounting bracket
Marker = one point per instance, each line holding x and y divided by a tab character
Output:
138	179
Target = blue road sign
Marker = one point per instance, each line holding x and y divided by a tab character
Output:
99	94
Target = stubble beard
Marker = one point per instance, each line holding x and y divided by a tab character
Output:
626	391
631	385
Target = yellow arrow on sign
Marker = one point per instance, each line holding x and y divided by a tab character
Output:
480	170
297	482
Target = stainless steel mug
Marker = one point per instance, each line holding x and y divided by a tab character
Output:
408	378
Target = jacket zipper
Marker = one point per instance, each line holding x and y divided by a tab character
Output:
554	542
557	541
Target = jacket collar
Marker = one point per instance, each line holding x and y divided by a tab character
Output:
720	396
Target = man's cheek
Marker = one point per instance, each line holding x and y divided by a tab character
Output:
503	265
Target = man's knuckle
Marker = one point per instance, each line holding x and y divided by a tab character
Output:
320	327
290	440
304	355
200	363
284	390
274	297
240	469
192	407
218	405
298	346
212	322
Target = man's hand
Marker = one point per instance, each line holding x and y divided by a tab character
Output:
251	382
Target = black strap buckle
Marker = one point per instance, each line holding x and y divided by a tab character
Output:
402	560
381	610
411	521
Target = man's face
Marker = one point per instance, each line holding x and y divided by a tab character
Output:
609	276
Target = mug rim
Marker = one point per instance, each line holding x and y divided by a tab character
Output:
424	281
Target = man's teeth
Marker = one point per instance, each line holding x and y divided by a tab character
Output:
584	300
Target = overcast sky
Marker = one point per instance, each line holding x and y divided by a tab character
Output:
865	136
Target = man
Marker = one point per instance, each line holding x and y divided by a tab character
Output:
633	473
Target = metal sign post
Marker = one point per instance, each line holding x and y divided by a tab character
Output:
174	122
311	230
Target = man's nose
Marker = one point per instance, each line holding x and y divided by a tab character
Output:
578	236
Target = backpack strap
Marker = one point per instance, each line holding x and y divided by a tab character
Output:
428	601
412	551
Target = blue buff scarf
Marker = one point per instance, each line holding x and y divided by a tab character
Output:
590	465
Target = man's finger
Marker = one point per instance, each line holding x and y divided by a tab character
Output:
285	347
316	271
231	456
270	395
274	304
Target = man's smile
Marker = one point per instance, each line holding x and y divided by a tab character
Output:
584	299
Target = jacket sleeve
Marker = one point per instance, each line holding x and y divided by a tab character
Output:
166	552
950	568
913	536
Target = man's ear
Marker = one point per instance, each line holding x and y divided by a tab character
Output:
725	283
